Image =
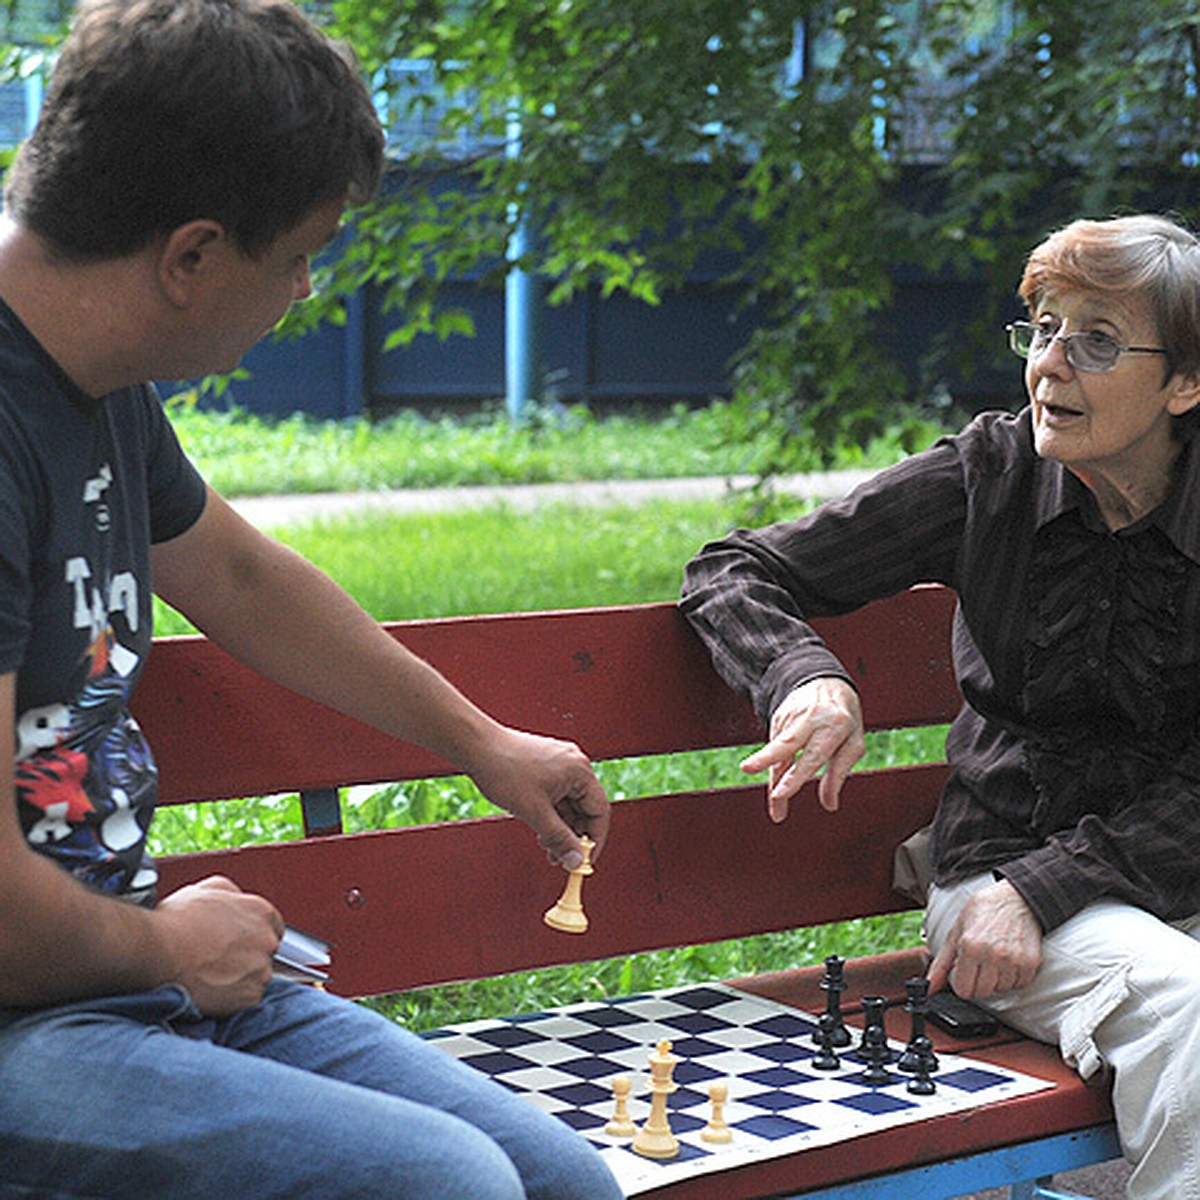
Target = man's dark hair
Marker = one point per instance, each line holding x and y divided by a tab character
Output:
164	111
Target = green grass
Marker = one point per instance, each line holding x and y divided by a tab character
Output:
429	1008
501	560
228	823
242	455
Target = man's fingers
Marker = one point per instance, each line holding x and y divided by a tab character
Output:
587	811
561	844
584	812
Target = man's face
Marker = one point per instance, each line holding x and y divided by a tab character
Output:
250	296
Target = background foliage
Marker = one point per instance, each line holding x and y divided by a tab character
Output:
825	145
813	148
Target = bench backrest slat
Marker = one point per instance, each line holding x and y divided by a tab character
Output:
620	681
440	903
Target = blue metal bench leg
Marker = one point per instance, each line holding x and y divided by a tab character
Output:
996	1168
1040	1189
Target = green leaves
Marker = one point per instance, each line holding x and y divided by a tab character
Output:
805	151
651	136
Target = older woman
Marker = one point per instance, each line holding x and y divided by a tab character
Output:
1066	848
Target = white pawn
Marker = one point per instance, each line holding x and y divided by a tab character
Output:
717	1130
621	1124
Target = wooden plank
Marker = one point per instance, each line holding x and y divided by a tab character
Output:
433	904
988	1167
621	682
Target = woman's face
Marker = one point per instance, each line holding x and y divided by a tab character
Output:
1104	425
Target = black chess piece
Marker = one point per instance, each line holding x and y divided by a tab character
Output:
918	1055
833	984
826	1058
921	1084
874	1049
874	1038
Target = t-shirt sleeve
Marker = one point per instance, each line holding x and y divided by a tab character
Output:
176	489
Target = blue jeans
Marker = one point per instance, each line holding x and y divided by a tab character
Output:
303	1095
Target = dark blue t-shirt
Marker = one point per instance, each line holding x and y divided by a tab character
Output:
86	486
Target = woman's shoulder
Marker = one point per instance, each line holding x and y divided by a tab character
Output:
995	443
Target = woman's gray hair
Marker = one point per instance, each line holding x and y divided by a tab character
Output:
1145	253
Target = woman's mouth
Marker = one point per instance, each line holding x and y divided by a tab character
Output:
1057	414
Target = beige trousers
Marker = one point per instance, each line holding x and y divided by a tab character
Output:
1119	992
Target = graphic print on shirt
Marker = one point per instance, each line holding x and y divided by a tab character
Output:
86	782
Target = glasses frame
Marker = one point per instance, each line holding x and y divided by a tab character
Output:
1070	341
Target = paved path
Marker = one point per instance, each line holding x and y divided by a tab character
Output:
266	511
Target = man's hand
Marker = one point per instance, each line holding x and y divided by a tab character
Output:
818	725
222	941
551	786
994	946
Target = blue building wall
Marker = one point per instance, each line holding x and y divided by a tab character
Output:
611	351
596	349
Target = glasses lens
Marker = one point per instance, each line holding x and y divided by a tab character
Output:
1085	351
1020	338
1092	351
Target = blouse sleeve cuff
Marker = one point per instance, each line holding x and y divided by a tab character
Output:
786	674
1045	879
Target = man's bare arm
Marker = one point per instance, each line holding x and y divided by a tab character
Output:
279	614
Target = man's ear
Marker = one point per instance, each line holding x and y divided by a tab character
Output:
1185	394
185	257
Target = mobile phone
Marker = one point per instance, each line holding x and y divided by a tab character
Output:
958	1017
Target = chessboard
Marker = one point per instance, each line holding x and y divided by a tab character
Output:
564	1060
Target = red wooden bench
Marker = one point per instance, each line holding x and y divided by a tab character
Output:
679	869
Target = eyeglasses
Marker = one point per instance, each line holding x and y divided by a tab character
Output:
1094	351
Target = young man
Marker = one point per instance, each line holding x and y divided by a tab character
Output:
191	157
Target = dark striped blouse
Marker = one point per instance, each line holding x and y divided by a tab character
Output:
1076	756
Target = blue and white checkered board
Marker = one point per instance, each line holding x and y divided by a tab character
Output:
564	1061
